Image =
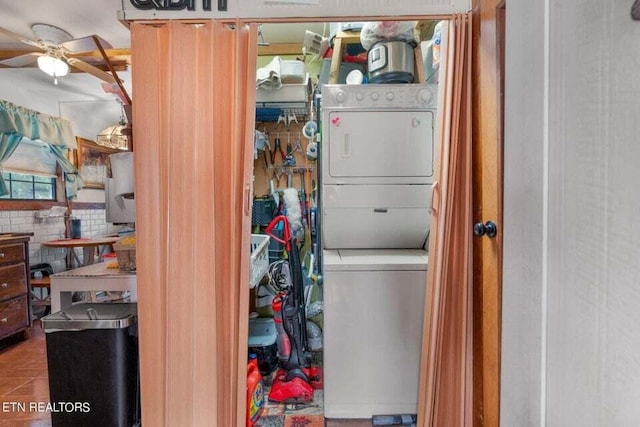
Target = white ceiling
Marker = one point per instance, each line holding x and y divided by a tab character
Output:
77	17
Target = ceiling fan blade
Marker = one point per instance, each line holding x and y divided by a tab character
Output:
122	53
19	37
85	44
22	60
87	68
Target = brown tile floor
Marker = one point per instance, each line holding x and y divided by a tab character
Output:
23	379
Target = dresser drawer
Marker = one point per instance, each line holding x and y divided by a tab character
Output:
11	253
13	281
14	315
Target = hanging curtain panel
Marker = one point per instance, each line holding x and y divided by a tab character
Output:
8	144
194	140
18	122
72	181
35	125
446	381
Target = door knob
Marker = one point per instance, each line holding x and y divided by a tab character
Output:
489	228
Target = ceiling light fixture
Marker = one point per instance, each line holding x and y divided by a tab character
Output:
115	136
55	67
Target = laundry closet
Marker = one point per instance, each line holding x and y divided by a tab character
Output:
197	282
343	170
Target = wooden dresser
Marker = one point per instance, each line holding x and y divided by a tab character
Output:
15	310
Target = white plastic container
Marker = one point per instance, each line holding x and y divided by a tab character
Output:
292	71
294	92
259	258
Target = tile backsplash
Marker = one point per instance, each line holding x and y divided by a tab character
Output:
93	224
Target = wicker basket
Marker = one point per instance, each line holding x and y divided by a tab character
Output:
126	256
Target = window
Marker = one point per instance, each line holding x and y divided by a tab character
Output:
30	172
29	187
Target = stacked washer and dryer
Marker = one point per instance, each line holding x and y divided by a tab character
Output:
377	175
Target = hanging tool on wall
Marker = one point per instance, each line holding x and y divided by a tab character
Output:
291	118
282	118
312	149
267	147
277	149
289	178
289	159
297	147
314	225
303	197
277	174
273	193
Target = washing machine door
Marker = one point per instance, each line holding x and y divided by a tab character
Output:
380	144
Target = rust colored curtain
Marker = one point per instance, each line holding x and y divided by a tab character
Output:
193	126
445	397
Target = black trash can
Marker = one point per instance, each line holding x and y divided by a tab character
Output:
92	352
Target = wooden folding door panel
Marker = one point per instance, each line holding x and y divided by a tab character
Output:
192	119
445	396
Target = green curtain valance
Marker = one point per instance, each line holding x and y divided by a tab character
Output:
18	122
35	125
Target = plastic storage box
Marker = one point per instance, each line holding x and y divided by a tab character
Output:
92	352
262	342
292	71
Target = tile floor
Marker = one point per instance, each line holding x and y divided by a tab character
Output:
23	378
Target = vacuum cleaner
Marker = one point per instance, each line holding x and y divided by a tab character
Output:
293	380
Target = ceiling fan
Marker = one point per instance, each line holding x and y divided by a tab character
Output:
57	51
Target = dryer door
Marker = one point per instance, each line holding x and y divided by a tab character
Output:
391	144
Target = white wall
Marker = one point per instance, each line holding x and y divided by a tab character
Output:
586	263
594	202
523	214
93	224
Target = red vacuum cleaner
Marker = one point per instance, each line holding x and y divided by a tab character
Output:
292	382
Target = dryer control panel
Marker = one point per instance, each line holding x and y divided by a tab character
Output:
377	96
